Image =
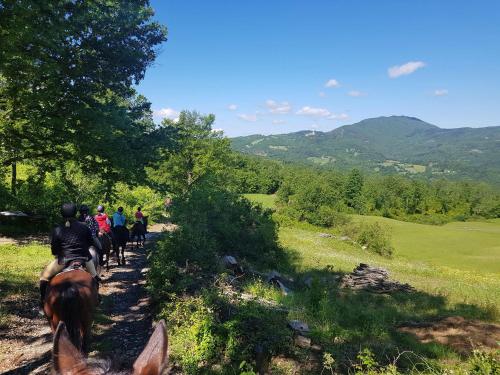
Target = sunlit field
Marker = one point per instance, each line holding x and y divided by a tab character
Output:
458	260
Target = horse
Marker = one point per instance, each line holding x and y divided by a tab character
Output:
106	245
121	236
138	232
72	297
67	360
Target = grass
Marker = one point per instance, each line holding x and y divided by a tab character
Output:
20	267
266	200
458	260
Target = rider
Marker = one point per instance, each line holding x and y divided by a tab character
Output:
103	220
91	222
69	242
119	218
139	216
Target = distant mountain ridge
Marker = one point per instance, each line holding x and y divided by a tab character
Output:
395	144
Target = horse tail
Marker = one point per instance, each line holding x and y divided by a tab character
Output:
70	308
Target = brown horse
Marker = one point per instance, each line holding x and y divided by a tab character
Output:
71	298
67	360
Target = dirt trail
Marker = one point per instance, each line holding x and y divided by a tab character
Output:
122	324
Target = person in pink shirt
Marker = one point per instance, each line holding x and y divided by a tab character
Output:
139	216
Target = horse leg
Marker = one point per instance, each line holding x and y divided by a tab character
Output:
123	253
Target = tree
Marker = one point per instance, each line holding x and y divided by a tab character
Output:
353	190
199	151
66	72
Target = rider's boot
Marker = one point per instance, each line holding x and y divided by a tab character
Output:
43	291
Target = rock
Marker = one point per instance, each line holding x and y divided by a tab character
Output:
273	275
302	341
372	279
325	235
229	261
299	326
345	238
316	348
364	247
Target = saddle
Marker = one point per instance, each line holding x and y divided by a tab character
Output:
75	264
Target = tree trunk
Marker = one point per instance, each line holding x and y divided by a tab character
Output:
13	181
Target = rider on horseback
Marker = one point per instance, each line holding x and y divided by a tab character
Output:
139	216
103	220
69	242
91	222
119	219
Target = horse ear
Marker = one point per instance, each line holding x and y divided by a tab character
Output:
154	357
65	357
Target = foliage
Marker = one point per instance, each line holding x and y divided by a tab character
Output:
376	238
213	222
484	363
145	197
199	151
208	328
66	76
305	194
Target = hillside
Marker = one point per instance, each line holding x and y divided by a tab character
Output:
396	144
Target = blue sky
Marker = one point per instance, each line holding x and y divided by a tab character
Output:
281	66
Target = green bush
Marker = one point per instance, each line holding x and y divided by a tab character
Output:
376	238
208	329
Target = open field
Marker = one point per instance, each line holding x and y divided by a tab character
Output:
458	260
20	267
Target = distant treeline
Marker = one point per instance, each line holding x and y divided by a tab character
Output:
307	193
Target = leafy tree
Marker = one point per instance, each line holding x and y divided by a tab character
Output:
66	69
199	151
353	189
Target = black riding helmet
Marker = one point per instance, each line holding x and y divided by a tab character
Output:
68	210
84	209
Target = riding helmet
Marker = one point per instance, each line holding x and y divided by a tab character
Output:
100	208
84	209
68	210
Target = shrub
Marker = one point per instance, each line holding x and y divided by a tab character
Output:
376	238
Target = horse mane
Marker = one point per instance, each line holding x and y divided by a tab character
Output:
70	306
104	367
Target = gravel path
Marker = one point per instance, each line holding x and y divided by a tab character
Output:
121	328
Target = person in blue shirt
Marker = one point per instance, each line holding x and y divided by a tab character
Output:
119	219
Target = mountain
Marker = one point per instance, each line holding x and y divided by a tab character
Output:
396	144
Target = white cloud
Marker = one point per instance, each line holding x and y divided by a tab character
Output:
232	107
332	83
441	92
322	94
166	113
356	93
339	117
311	111
408	68
250	118
278	108
277	122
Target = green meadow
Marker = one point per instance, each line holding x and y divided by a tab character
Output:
20	267
459	260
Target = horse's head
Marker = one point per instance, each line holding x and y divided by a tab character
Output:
67	360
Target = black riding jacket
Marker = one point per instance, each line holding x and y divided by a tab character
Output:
71	243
